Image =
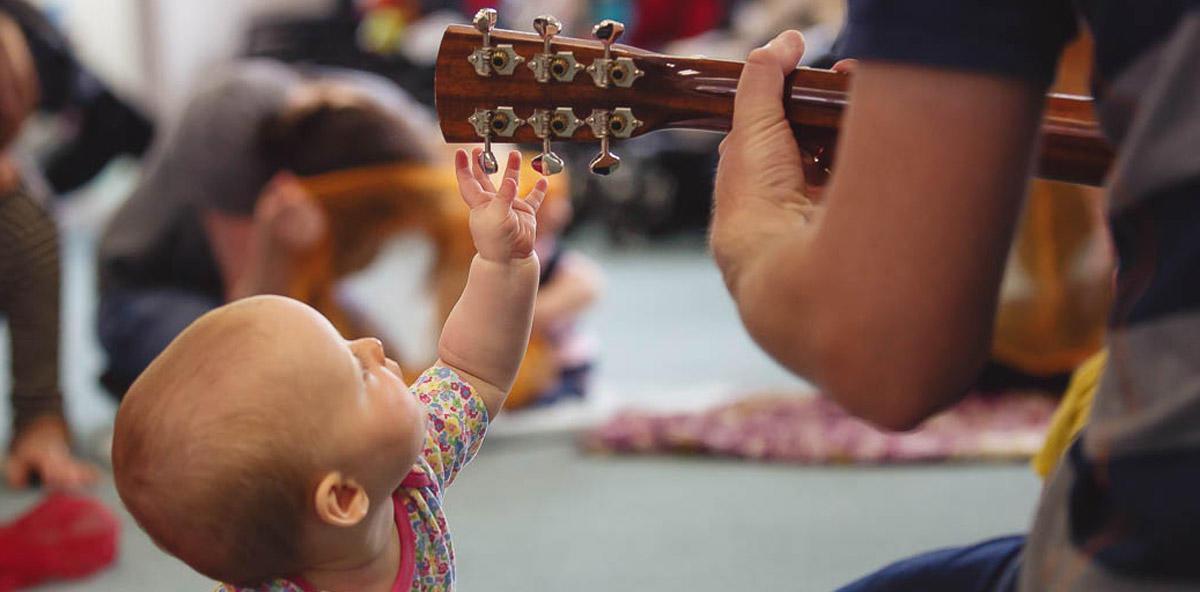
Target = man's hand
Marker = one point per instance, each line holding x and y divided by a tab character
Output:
760	193
502	226
286	218
42	449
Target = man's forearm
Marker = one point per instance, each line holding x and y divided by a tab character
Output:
488	329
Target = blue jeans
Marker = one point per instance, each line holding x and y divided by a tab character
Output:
990	566
135	326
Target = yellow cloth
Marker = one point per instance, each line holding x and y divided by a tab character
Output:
1072	413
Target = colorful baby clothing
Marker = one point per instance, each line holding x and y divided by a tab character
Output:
457	421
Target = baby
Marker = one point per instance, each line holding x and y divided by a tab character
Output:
267	452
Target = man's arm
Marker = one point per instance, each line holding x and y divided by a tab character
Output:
884	295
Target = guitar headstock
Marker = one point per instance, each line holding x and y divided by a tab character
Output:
508	86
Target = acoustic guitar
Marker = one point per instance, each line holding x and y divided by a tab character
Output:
509	86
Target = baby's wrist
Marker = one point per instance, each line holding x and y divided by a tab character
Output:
530	260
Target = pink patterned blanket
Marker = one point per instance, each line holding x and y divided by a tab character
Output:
812	429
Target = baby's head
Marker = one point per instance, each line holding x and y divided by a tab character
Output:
256	433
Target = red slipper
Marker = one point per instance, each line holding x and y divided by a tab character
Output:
63	537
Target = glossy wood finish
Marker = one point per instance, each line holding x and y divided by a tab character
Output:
697	93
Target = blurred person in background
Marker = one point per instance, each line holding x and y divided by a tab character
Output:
561	354
30	283
228	202
93	125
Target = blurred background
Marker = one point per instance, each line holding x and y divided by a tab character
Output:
610	476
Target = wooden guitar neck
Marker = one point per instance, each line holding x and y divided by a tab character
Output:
498	96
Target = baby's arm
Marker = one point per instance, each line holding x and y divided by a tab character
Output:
485	336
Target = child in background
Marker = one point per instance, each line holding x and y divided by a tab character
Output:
560	354
267	452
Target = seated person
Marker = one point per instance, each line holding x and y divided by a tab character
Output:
222	210
30	282
266	451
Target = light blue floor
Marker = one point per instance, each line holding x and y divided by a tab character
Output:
532	513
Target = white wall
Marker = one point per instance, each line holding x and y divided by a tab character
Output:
106	35
153	50
188	36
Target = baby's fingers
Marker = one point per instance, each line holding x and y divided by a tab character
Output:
537	194
508	191
512	169
468	186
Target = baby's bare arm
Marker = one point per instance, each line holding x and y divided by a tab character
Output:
487	331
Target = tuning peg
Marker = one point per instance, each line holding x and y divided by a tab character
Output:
542	121
605	162
547	27
607	32
501	59
608	70
547	163
487	159
546	65
501	121
485	21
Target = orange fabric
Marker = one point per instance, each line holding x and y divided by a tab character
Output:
366	207
1057	288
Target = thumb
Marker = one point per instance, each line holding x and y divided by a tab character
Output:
760	88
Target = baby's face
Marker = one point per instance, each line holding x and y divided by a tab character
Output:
385	421
372	428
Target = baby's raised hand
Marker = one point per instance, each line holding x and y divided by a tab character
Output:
502	225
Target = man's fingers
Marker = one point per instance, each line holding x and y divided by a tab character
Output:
760	89
846	66
65	472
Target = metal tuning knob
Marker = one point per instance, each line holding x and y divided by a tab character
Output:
489	123
500	59
607	71
560	66
547	163
547	27
484	21
605	162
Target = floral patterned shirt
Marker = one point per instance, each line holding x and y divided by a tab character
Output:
457	422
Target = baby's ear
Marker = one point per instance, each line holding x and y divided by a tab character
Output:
340	501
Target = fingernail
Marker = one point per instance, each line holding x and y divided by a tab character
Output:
792	39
